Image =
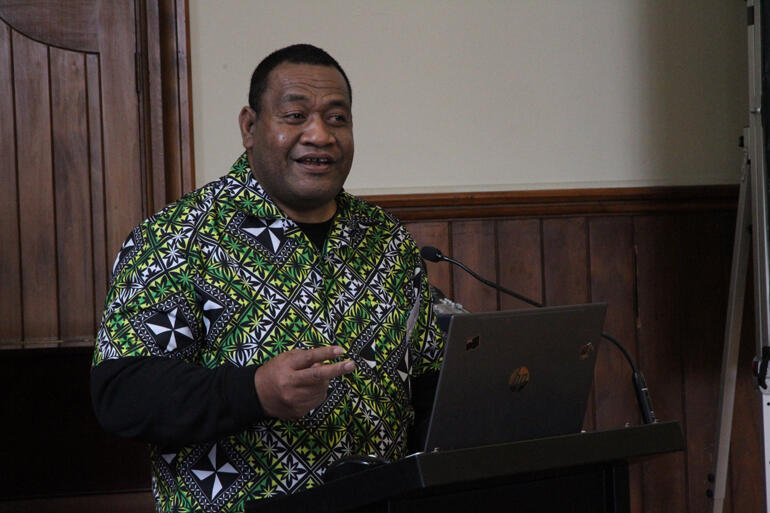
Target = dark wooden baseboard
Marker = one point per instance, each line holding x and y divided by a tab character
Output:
132	502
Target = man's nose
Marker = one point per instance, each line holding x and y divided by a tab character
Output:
317	132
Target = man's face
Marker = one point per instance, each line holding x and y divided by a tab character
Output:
300	146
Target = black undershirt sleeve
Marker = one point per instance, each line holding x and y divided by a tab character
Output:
173	403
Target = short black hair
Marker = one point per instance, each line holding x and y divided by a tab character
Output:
296	54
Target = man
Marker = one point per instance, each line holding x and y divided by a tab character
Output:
268	324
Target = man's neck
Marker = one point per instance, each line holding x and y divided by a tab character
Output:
319	215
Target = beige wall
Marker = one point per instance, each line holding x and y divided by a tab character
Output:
491	95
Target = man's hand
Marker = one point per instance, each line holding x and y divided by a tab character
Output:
295	382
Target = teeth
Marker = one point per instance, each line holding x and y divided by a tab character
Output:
316	160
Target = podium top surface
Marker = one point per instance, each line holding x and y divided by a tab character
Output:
422	471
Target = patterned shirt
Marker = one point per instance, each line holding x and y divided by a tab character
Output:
222	280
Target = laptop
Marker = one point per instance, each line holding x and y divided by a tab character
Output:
515	375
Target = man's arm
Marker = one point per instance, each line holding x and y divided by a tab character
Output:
175	403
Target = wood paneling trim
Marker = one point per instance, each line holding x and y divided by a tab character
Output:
72	192
36	189
568	202
124	196
70	25
96	168
165	90
186	142
10	260
131	502
47	344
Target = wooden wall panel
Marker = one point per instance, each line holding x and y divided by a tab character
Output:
73	194
36	195
706	254
565	272
565	261
660	354
521	261
10	268
745	487
613	281
473	243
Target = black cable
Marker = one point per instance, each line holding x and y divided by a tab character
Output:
640	385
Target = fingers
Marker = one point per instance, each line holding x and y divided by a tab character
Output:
323	373
292	383
306	358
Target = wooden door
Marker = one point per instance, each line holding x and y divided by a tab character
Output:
95	135
83	152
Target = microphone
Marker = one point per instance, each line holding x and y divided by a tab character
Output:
640	386
431	254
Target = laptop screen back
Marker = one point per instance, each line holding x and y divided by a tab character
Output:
515	375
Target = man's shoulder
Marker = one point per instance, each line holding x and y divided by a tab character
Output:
190	207
361	208
388	225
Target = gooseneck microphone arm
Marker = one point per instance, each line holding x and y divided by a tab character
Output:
434	255
640	386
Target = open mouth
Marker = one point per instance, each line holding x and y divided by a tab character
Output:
315	161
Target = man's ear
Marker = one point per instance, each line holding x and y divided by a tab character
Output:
247	120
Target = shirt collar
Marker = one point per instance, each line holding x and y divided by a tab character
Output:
249	196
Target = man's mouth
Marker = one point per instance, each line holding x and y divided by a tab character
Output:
315	161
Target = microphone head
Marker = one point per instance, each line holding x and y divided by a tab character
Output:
431	254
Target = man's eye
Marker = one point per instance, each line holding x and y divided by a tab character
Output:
339	119
294	116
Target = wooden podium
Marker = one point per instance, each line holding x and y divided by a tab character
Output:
586	472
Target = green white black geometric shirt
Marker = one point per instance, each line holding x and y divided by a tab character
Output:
220	282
